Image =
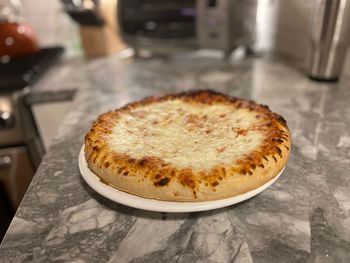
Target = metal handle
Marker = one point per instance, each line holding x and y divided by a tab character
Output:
7	119
5	161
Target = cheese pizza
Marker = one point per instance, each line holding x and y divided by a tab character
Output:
187	147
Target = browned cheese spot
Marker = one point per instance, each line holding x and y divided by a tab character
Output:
131	160
221	149
142	162
192	118
194	193
240	131
214	183
189	182
279	151
162	182
277	140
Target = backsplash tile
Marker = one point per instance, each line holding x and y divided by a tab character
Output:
52	25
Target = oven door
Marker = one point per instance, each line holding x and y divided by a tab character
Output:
162	26
16	172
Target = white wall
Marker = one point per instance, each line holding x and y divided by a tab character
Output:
52	24
283	27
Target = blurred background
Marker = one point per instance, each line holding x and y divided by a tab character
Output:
281	26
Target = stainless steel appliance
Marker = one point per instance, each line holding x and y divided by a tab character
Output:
21	148
329	38
172	25
16	168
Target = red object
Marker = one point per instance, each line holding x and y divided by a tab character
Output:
17	40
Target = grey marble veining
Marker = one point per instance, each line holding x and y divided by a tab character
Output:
303	217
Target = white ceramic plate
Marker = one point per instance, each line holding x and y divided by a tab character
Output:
155	205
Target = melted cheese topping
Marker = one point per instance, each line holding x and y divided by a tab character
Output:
191	135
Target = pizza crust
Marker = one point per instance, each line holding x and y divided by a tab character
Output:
133	150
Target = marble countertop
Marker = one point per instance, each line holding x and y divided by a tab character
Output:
303	217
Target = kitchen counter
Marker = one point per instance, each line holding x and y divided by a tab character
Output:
304	216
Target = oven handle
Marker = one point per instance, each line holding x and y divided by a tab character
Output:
5	161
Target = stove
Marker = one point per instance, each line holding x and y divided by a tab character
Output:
24	71
20	149
15	76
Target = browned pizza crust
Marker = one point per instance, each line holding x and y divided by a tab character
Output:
160	178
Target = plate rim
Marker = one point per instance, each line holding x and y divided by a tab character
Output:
154	205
